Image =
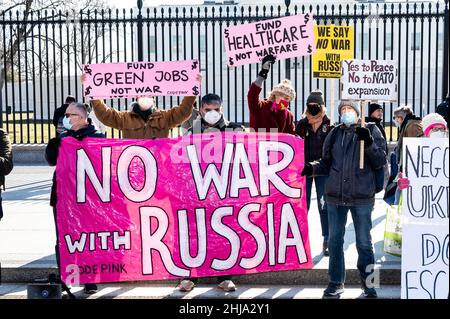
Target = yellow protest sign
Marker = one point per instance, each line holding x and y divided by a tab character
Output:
333	44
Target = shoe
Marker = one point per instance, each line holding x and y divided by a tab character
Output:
186	285
368	292
227	286
325	249
90	289
333	290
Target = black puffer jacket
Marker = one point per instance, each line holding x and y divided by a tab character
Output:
313	140
347	184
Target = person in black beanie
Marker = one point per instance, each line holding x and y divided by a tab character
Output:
376	116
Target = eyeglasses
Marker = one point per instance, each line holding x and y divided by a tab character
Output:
71	114
439	129
312	105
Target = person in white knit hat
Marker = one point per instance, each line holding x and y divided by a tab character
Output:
273	112
434	125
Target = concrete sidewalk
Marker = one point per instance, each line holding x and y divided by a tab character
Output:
27	238
151	291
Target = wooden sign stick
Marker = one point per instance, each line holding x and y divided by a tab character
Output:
361	150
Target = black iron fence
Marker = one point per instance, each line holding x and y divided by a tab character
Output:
42	54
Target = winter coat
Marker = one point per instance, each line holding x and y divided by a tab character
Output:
262	116
347	184
411	127
200	126
313	140
380	127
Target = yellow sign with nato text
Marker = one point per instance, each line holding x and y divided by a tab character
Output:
333	44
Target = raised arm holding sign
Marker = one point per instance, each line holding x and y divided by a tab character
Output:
144	119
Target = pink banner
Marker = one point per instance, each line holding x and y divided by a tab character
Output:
284	38
205	205
134	79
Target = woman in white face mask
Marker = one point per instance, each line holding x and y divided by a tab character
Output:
434	125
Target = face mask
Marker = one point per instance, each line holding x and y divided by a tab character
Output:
349	118
438	134
397	124
66	123
145	103
313	109
212	117
283	105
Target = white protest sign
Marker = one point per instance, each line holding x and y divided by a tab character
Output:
374	80
426	165
425	242
425	270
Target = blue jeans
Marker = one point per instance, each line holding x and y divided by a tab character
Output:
321	203
362	220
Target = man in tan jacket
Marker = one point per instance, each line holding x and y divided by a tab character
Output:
144	120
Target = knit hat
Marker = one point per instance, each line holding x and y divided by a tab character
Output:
286	88
432	120
354	105
373	107
315	96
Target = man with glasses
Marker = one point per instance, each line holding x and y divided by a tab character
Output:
79	126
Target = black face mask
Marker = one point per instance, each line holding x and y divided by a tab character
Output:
314	109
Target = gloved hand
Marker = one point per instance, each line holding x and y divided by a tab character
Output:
402	183
267	62
363	134
307	170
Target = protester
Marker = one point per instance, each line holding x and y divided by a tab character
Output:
314	128
58	115
94	120
376	116
350	188
410	126
211	119
6	162
144	120
273	112
434	126
77	125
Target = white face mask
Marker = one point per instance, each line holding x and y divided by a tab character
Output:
145	103
438	134
66	123
212	117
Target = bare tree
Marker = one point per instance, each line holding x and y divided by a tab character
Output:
22	35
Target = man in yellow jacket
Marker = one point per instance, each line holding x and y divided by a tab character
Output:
144	120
